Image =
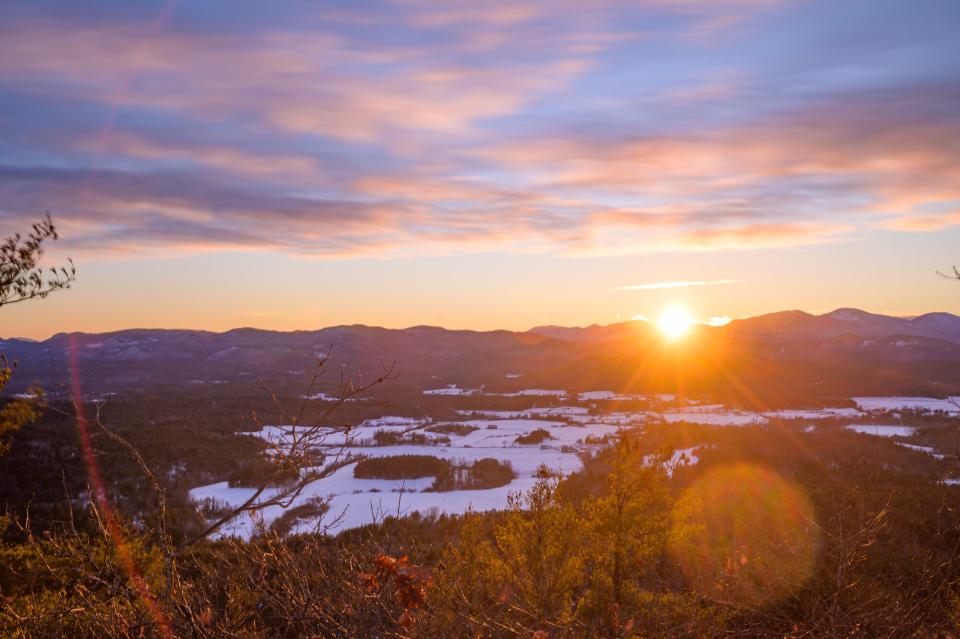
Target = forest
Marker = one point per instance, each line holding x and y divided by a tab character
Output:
775	532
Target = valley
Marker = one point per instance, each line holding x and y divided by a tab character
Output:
571	427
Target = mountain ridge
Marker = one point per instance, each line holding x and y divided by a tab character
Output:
841	352
848	315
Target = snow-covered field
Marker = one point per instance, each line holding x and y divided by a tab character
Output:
929	450
714	417
452	390
822	413
572	429
547	411
923	404
882	430
356	502
535	392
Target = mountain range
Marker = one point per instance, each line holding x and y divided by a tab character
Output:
770	359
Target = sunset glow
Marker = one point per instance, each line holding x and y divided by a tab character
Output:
448	319
675	322
480	166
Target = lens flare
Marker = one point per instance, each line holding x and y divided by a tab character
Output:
99	495
745	535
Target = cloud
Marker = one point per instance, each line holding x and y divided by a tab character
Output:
720	320
104	209
439	127
765	234
679	284
342	85
922	223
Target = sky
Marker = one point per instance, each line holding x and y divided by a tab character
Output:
294	164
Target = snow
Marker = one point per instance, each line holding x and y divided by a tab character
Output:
362	501
903	343
923	404
547	411
323	397
358	502
617	419
929	450
705	408
822	413
594	395
605	395
524	459
535	392
391	420
882	430
341	485
362	509
452	389
343	481
495	414
714	418
334	437
572	414
557	411
221	491
680	457
601	395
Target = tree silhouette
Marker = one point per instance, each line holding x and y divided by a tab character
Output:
21	276
21	279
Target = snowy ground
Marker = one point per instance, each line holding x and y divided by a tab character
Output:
681	457
923	404
361	501
452	390
929	450
714	417
822	413
573	429
882	430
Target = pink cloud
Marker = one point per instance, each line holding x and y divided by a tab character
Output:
763	235
387	145
923	223
290	81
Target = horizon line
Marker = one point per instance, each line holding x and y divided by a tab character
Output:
636	319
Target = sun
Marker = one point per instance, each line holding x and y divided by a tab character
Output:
675	322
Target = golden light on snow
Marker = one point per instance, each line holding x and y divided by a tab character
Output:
675	322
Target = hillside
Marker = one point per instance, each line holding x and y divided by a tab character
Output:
775	357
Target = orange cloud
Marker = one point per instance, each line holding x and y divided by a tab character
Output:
923	223
764	235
